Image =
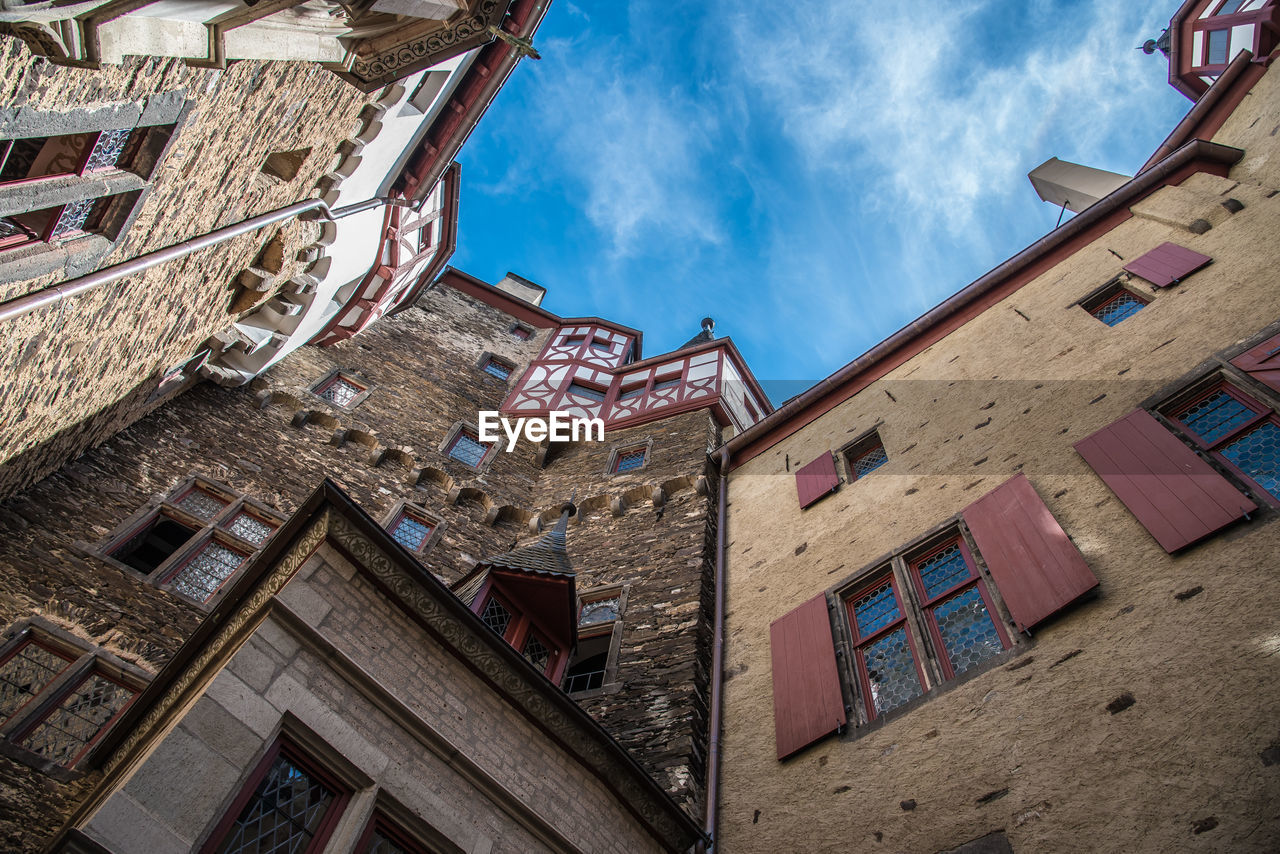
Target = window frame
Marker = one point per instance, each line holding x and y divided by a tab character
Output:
248	787
215	529
83	660
610	683
617	452
874	580
865	444
1172	410
335	376
451	440
418	513
487	359
520	627
381	823
1113	290
520	331
931	658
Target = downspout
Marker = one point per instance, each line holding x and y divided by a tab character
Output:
57	293
717	660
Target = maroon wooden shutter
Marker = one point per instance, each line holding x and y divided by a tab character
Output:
1167	264
816	479
807	703
1176	496
1262	362
1037	568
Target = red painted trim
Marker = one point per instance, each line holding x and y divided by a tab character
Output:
32	640
864	679
1261	413
1212	109
446	246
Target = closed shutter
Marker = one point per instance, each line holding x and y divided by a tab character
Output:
816	479
1167	264
1262	362
1036	567
1175	494
807	703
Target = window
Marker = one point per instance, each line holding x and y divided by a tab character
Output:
631	459
1114	304
199	536
68	154
594	664
586	391
958	608
886	659
382	836
1230	7
412	527
288	804
669	382
518	629
597	344
467	448
342	390
497	368
1215	51
631	391
574	341
865	456
521	332
1238	430
58	696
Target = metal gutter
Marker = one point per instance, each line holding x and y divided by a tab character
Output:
842	384
73	287
1200	110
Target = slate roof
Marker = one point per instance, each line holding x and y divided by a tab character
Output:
546	556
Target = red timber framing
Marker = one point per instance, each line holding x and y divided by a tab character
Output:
1193	157
543	599
1186	67
1174	494
1036	567
383	290
807	702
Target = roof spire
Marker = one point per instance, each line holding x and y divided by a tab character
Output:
548	554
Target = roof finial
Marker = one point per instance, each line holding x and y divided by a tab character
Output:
708	324
566	510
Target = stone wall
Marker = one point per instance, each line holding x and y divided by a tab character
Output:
1142	720
78	373
276	440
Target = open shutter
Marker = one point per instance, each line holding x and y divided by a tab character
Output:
807	703
816	479
1175	494
1167	264
1262	362
1036	567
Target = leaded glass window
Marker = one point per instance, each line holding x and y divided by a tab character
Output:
410	532
466	448
248	527
536	652
600	611
1216	415
496	617
340	391
107	150
629	460
284	814
25	674
968	634
943	570
201	504
72	218
1257	454
1121	306
957	609
866	461
1243	430
885	659
63	734
494	368
202	575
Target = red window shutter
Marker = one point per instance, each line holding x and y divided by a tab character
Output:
807	703
816	479
1176	496
1262	362
1167	264
1037	568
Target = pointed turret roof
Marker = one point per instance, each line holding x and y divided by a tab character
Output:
547	555
707	334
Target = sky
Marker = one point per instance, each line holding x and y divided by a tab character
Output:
813	174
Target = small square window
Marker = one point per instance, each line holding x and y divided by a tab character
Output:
26	672
630	392
629	460
340	390
574	341
467	448
155	543
1114	304
250	528
496	617
202	504
865	455
521	333
597	344
1216	42
497	368
410	531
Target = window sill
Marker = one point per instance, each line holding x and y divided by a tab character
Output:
48	767
591	693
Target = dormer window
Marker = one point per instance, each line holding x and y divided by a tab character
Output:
517	628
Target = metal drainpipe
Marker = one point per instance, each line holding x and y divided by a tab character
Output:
717	660
57	293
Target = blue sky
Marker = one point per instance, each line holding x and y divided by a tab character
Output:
814	174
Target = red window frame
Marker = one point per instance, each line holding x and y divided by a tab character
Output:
1098	304
342	794
521	333
861	642
413	517
586	390
864	451
340	377
175	571
473	436
31	640
390	830
630	452
56	702
1262	413
520	627
928	604
507	368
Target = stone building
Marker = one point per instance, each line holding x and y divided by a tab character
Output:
319	183
1007	580
194	577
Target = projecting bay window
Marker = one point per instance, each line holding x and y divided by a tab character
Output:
195	540
505	619
59	695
